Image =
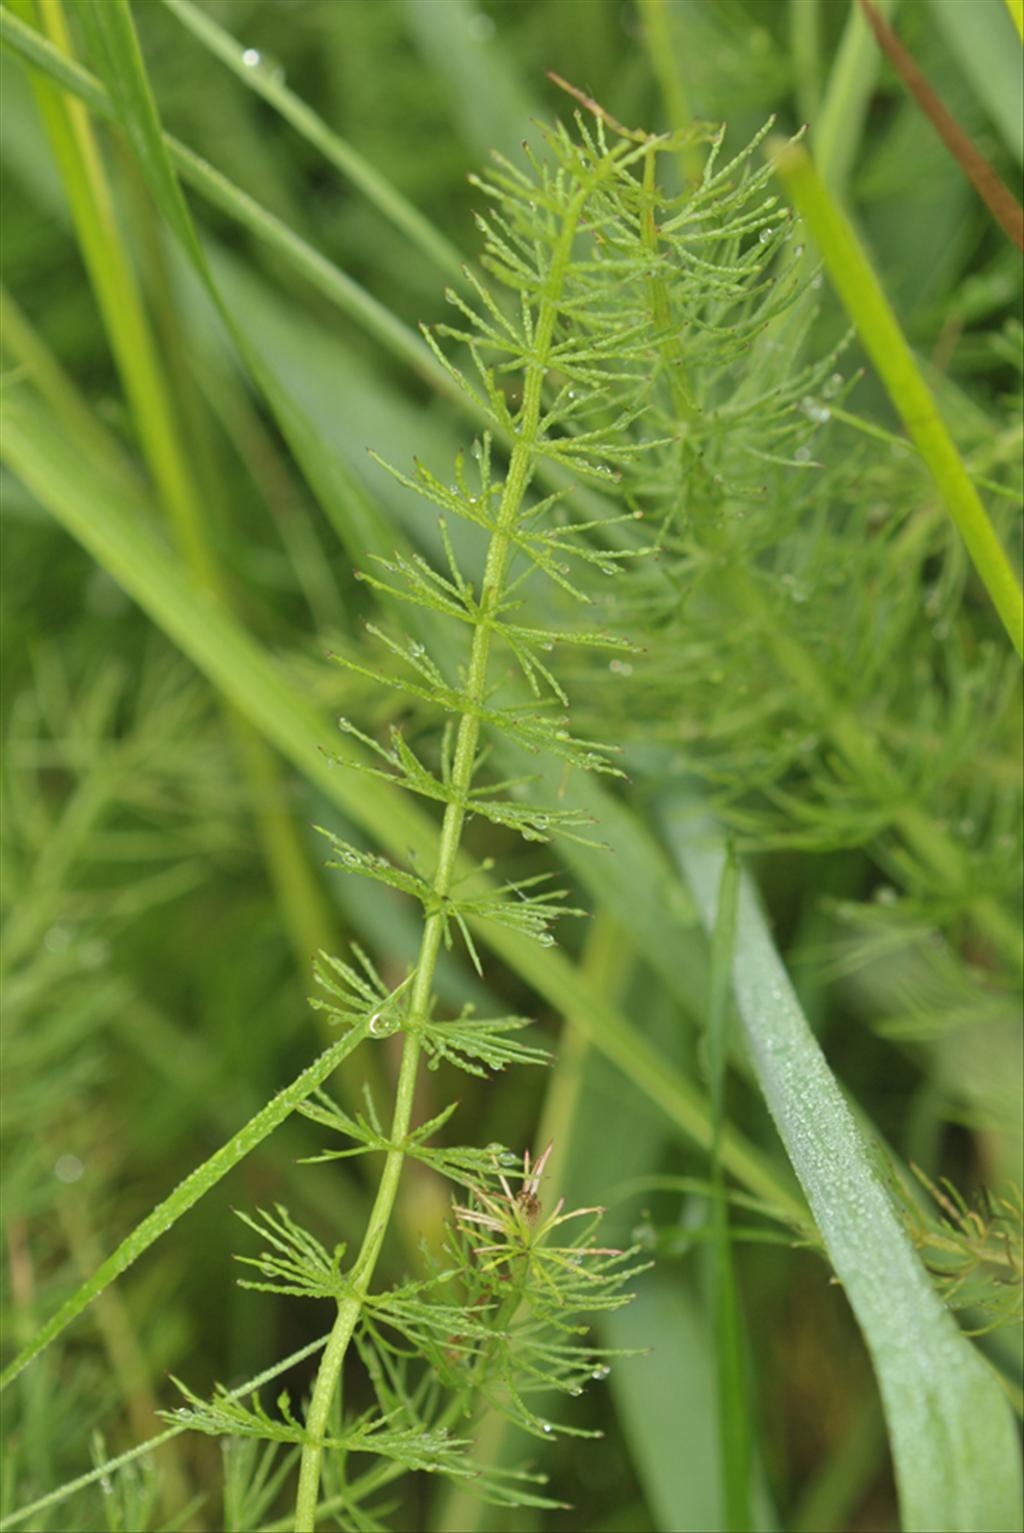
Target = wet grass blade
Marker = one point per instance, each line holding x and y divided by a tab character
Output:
399	211
324	275
951	1430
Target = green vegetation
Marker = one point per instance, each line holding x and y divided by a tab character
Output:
460	563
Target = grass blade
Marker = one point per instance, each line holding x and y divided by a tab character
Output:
321	273
840	123
146	386
953	1439
110	1466
1016	10
185	1196
376	188
865	302
730	1371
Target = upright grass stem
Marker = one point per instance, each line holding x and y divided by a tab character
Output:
464	763
869	309
127	326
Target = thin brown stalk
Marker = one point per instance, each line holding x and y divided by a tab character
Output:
999	200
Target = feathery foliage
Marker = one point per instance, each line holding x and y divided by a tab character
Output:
658	554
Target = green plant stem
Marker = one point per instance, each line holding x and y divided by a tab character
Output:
464	763
114	527
607	964
358	1284
865	302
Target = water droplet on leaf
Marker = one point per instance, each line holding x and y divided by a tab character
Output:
815	410
68	1169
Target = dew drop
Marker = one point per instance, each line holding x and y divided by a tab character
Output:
765	235
833	386
815	410
803	455
381	1025
601	1372
271	70
68	1169
546	1426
